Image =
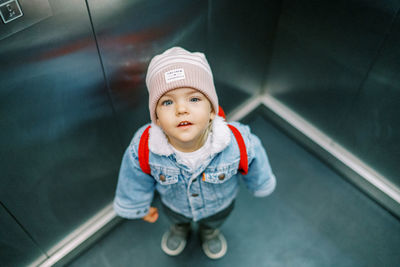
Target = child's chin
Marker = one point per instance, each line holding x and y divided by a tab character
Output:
187	142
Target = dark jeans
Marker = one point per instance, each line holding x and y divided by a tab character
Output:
211	222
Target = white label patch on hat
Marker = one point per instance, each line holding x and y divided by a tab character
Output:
174	75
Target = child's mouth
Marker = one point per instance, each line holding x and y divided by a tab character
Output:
184	123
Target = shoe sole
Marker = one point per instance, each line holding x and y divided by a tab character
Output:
168	251
220	254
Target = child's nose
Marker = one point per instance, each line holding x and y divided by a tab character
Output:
181	108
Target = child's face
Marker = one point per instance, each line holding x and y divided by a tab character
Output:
184	115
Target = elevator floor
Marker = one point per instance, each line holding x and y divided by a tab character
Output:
314	218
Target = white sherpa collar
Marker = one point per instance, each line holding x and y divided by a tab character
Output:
220	138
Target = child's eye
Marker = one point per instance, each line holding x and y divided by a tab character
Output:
195	99
166	102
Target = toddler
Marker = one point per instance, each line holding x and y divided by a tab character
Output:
193	156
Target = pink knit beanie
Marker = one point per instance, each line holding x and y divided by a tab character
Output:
177	68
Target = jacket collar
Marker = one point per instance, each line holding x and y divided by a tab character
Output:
220	138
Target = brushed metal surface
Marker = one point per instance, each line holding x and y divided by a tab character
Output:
241	37
33	11
375	112
60	148
335	64
16	248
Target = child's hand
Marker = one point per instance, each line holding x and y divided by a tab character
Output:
152	216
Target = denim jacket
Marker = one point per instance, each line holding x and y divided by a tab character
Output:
194	194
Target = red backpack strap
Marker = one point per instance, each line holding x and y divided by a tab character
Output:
144	151
243	164
221	112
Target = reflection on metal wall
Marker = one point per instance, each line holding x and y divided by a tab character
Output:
129	33
60	150
240	41
337	64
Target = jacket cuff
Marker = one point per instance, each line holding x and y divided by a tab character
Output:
135	212
267	188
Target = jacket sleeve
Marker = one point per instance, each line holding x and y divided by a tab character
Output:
260	179
135	189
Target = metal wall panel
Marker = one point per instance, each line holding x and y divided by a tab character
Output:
375	111
16	248
240	45
60	149
21	15
129	34
326	62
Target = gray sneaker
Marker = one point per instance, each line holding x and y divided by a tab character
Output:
214	243
174	240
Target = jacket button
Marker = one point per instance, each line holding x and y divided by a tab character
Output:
195	195
162	178
221	176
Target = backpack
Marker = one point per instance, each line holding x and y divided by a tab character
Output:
143	150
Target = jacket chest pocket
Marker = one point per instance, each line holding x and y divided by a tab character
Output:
221	174
165	176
